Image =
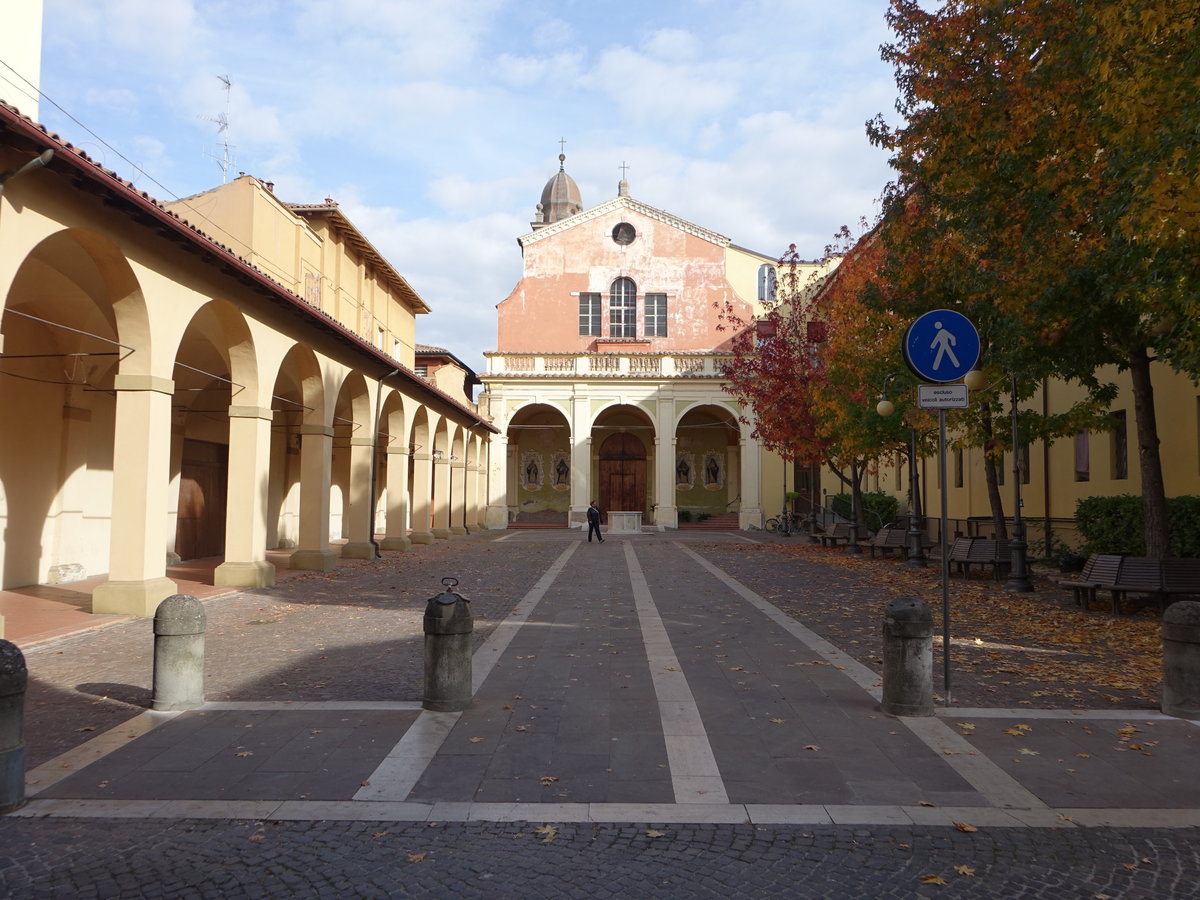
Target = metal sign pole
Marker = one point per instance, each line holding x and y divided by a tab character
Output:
945	558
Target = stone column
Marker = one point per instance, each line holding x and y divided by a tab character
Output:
458	496
496	515
441	498
396	537
141	474
473	504
750	482
316	460
583	492
666	513
422	492
245	562
360	545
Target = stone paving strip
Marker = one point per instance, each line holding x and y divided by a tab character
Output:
643	671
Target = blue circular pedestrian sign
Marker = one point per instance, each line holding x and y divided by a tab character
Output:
941	346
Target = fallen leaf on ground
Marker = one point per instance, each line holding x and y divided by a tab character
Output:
965	870
654	833
933	879
548	833
418	857
965	826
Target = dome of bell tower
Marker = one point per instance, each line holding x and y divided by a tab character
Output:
560	198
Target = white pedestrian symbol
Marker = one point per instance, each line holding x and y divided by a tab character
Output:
943	341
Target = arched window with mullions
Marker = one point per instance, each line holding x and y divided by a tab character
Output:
622	309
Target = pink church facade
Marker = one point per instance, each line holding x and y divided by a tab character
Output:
606	379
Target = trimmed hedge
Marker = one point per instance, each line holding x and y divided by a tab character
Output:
1114	524
879	508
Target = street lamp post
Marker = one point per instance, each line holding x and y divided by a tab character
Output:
852	546
1018	571
916	553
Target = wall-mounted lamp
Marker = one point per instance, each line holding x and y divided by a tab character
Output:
437	454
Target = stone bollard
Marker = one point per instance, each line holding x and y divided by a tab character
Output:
1181	659
179	653
448	627
13	678
907	658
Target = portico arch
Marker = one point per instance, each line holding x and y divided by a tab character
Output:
541	466
73	317
707	462
353	446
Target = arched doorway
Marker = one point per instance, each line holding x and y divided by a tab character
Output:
622	473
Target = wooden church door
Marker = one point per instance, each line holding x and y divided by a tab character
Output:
622	473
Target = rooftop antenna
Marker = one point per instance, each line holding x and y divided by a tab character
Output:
225	160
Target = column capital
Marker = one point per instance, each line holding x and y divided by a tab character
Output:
323	430
251	412
144	383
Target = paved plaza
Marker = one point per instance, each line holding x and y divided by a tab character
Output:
651	718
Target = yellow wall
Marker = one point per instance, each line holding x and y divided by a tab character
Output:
310	256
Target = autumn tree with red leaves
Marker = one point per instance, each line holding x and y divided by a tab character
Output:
1048	151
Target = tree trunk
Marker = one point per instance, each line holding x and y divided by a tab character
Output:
1154	497
996	505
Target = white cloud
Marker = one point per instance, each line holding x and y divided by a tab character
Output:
672	45
436	124
404	36
672	96
554	33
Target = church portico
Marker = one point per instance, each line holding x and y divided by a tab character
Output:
617	325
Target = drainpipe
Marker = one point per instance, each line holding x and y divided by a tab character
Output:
375	461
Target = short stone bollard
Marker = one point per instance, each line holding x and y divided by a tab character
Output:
448	627
907	658
179	625
1181	659
13	678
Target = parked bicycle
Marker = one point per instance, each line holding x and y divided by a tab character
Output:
784	523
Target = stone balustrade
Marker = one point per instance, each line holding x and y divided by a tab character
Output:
606	365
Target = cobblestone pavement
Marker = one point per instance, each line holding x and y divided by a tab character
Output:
232	858
356	634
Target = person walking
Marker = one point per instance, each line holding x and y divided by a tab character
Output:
593	517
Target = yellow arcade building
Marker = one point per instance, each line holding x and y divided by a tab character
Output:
213	378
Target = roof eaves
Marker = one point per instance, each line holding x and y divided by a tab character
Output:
170	224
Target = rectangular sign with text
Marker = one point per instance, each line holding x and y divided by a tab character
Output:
942	396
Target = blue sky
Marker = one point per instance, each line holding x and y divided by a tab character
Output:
435	123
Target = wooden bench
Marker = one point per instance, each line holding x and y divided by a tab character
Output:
1099	570
1162	579
977	551
839	532
1181	578
893	537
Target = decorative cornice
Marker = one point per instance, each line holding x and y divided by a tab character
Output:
624	203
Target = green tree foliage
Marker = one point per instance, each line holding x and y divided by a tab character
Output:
1047	167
